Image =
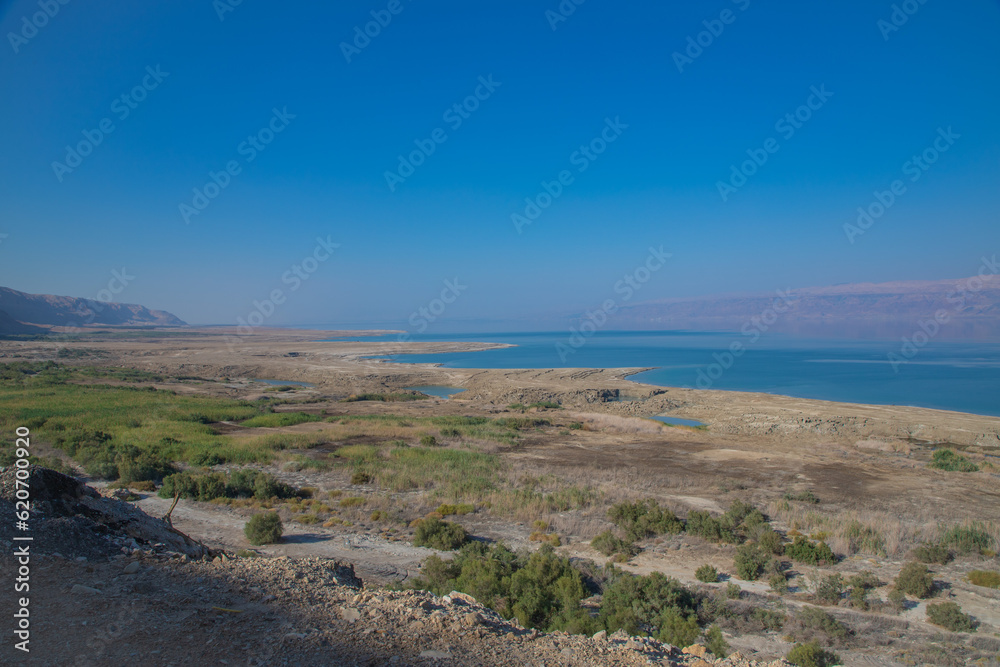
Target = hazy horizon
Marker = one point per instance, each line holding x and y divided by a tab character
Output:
298	120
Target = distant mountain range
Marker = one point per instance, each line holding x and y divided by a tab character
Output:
20	313
967	304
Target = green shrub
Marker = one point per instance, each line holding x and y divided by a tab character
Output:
985	578
352	501
576	426
950	461
644	518
805	551
739	521
428	441
278	419
460	509
830	589
814	624
634	603
771	542
707	573
437	534
678	629
733	591
550	405
802	496
811	654
915	580
750	561
610	544
246	483
449	432
932	553
715	643
263	528
949	615
778	583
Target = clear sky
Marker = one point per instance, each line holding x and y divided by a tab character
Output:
199	79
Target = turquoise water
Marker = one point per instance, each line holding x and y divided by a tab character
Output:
283	383
962	376
437	390
677	421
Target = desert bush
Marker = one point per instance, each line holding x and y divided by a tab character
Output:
950	616
715	643
263	528
428	441
360	477
865	539
802	496
136	466
750	561
951	461
733	591
932	553
830	589
771	542
352	501
245	483
915	580
778	583
644	518
548	405
896	600
814	624
805	551
811	654
610	544
985	578
461	508
637	604
437	534
678	629
740	520
707	573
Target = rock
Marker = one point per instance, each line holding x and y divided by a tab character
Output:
600	636
459	598
350	614
132	568
696	650
84	590
435	655
701	663
634	645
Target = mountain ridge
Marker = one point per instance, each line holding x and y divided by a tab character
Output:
19	311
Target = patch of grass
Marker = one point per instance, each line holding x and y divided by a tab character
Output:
984	578
445	509
263	528
950	461
546	405
932	553
949	615
970	538
802	496
278	419
352	501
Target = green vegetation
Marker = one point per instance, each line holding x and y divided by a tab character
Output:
445	509
802	496
933	553
263	528
385	397
950	461
949	615
428	441
750	562
804	551
830	589
644	518
970	538
549	405
707	574
437	534
814	624
984	578
277	419
915	580
811	654
715	643
610	544
206	486
740	522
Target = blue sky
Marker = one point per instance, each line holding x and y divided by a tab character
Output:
324	174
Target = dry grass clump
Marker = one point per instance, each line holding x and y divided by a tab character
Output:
615	424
